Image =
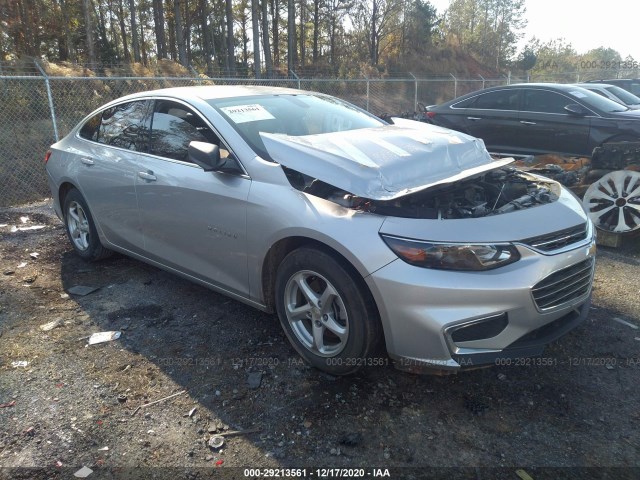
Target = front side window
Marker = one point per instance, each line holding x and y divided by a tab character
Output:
125	126
544	101
174	126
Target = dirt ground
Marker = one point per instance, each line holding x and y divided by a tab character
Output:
574	413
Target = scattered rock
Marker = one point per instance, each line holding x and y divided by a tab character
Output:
254	380
351	439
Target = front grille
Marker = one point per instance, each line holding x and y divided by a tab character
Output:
564	286
559	239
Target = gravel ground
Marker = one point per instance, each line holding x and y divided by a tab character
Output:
571	414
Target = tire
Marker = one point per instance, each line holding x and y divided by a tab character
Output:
326	312
81	228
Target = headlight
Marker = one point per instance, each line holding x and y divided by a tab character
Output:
452	256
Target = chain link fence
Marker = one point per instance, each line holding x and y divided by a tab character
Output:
37	109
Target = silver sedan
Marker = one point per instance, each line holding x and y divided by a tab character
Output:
370	240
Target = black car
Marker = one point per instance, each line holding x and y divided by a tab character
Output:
539	118
629	84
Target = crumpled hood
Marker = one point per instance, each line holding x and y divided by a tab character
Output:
386	162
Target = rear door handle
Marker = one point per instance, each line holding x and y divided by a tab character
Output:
527	123
474	118
87	161
147	176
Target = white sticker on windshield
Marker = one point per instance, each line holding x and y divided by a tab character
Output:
578	94
247	113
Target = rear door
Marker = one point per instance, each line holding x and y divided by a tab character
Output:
493	117
107	168
193	221
546	127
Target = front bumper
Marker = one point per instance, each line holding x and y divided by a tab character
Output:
422	308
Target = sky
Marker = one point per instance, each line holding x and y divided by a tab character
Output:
585	25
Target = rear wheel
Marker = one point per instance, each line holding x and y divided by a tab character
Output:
326	312
81	228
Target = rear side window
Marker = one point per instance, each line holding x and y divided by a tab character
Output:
125	126
173	127
499	100
91	127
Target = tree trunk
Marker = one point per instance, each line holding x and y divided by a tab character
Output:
291	33
316	29
123	32
303	14
265	39
182	50
255	11
231	60
206	37
275	20
88	25
158	27
373	47
134	32
67	31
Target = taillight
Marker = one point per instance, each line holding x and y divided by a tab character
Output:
46	156
431	114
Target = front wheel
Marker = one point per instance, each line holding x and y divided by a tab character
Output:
81	228
326	312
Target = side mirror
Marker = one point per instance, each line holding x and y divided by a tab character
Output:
206	155
576	109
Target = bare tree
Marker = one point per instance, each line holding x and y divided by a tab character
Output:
134	32
292	59
182	50
231	60
88	25
265	39
158	27
255	22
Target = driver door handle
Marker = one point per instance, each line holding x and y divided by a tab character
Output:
524	122
87	161
474	118
149	176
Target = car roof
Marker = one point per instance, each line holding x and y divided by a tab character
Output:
210	92
592	85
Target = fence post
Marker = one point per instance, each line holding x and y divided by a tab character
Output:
367	79
482	80
415	92
50	97
296	77
455	85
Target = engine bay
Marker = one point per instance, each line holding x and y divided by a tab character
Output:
495	192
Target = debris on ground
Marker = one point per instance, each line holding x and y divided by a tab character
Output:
19	364
82	290
8	404
84	472
624	322
157	401
216	441
102	337
51	325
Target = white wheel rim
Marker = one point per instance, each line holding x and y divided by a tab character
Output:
316	313
613	202
78	226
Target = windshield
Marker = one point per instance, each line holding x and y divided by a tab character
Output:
289	114
627	97
592	99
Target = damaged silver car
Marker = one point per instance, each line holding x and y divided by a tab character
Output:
370	240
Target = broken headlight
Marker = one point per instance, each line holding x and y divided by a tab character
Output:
452	256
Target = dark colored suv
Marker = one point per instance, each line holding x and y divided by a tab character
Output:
539	118
629	84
